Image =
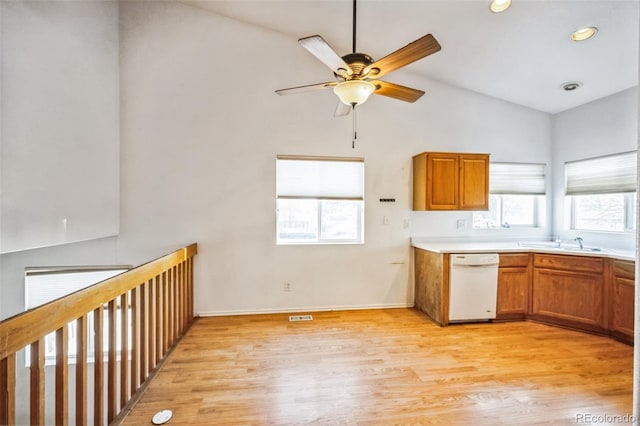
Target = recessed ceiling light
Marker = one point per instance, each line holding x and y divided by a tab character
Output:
499	5
583	33
571	86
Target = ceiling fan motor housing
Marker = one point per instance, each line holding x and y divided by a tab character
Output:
357	62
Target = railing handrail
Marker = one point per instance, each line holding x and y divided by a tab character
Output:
159	297
22	329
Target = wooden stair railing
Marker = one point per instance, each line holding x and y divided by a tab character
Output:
159	297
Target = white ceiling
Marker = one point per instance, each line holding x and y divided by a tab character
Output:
522	55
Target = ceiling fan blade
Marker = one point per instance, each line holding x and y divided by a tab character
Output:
413	51
319	48
397	91
309	88
342	109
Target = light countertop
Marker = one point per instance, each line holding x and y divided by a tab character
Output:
517	247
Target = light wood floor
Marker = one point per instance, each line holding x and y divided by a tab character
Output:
384	367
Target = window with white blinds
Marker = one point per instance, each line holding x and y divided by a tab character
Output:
516	196
517	178
320	200
43	285
612	174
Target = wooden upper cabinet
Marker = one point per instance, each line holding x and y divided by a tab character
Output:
442	182
450	181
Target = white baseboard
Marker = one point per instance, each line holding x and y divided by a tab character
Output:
306	309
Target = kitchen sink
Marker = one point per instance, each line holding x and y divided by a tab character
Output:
540	244
576	248
563	247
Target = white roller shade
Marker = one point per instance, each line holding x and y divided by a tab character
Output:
320	178
517	178
44	285
612	174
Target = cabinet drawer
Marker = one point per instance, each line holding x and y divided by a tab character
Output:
624	269
514	259
569	263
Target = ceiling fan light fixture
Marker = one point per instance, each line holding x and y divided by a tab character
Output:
498	6
583	33
354	92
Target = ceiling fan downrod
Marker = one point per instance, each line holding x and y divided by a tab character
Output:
354	27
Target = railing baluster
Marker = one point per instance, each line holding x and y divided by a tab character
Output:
62	376
135	338
156	301
98	365
8	390
170	305
81	370
112	395
190	290
124	348
166	277
152	324
144	331
179	298
36	382
158	319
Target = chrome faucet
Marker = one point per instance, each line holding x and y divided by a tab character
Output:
580	242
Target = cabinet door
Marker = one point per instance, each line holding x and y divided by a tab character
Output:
442	181
622	307
513	293
474	182
569	298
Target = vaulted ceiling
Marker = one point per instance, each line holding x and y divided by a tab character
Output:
523	55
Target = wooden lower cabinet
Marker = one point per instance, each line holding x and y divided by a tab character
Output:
622	300
588	293
514	276
569	290
432	285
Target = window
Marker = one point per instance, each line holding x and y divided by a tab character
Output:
516	196
601	192
43	285
320	200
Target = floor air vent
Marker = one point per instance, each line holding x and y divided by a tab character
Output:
293	318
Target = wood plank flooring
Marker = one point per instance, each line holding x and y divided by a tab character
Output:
384	367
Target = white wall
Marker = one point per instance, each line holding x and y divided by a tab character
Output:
510	133
201	128
200	131
59	159
100	251
605	126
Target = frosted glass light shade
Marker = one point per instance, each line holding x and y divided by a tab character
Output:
498	6
354	91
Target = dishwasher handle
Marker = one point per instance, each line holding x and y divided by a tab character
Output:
475	259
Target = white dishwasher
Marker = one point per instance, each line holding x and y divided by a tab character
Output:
473	287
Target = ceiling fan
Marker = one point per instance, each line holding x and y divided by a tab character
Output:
357	74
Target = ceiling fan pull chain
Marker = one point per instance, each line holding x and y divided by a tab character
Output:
355	133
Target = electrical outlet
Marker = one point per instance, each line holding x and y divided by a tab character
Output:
460	224
286	286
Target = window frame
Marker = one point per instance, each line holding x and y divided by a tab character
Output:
629	214
525	179
621	174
